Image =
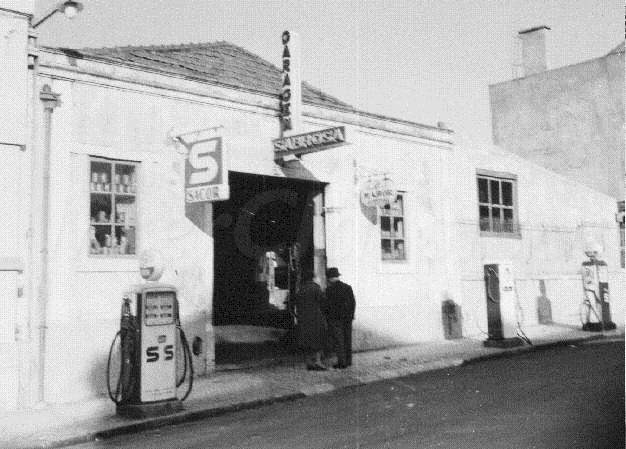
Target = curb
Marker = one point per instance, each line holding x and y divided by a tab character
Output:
153	423
316	389
538	347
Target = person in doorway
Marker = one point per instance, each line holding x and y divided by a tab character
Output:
312	327
339	311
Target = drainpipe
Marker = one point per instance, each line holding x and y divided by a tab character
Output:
319	238
50	101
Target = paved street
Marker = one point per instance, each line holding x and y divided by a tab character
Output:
570	397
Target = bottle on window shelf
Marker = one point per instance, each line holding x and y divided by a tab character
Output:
94	245
107	244
123	244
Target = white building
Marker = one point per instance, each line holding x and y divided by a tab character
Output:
115	170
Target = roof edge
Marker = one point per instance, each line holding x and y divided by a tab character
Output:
345	109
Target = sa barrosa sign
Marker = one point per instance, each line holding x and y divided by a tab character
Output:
310	142
378	192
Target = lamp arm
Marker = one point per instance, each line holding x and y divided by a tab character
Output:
46	17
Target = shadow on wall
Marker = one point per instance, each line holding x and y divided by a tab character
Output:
370	213
192	326
544	305
452	319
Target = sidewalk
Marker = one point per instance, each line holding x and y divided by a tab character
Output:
225	391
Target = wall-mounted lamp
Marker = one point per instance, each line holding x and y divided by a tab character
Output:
69	8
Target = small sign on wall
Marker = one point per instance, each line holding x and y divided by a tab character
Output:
378	192
206	177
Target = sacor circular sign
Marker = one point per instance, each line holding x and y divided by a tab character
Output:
378	192
151	265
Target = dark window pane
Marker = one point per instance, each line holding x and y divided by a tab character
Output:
386	248
398	227
484	218
385	226
507	193
495	191
398	249
483	194
508	220
496	219
100	210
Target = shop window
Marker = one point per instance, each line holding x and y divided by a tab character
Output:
497	208
113	207
392	230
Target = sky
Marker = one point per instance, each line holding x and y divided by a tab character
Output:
424	61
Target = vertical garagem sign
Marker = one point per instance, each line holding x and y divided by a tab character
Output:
290	95
206	177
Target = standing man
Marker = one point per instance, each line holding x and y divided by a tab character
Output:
312	328
339	311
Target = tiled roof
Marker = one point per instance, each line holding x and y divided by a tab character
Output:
216	62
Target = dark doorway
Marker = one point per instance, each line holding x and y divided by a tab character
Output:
263	242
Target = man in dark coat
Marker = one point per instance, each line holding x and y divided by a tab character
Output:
339	310
312	327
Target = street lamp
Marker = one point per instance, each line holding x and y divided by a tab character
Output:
69	8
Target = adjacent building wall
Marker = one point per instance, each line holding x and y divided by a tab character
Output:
15	183
569	120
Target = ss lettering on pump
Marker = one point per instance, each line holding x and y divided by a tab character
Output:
152	353
203	163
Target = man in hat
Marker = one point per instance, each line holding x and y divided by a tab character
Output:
339	310
312	327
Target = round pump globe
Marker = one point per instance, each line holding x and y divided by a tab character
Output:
593	250
71	9
151	265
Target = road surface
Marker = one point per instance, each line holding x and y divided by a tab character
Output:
568	397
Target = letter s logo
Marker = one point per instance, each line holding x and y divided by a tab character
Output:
169	352
205	167
153	353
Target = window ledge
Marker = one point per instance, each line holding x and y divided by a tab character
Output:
502	235
110	263
395	267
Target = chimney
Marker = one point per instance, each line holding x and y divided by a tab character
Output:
533	49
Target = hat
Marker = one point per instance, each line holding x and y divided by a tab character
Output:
333	273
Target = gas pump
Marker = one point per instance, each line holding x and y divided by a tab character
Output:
595	277
502	321
149	357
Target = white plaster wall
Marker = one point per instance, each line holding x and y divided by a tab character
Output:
557	218
15	185
86	291
14	76
397	302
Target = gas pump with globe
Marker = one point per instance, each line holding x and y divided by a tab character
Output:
149	357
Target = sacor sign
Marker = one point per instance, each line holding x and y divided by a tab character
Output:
205	174
378	192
